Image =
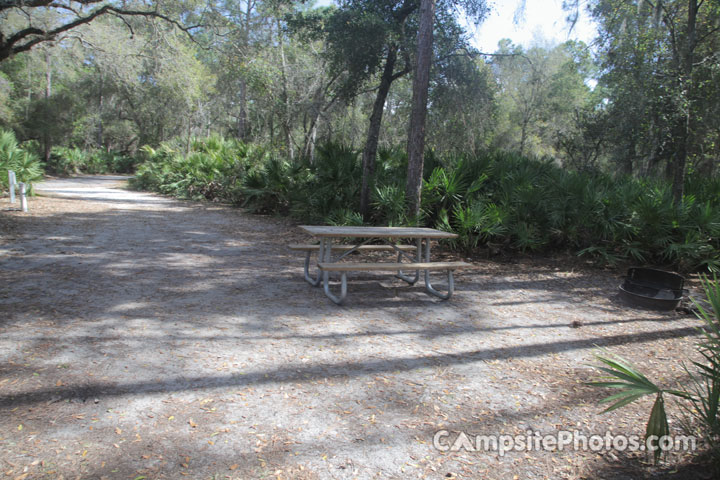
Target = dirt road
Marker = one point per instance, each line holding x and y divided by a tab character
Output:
144	337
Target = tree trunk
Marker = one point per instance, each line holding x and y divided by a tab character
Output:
189	136
47	141
242	121
626	165
686	85
373	134
421	81
287	128
309	150
523	135
242	129
101	104
29	95
311	132
319	105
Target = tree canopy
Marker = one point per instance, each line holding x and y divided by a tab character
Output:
642	100
27	23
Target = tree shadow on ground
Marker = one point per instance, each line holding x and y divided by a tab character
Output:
319	371
144	306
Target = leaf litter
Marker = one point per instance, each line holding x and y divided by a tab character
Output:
190	346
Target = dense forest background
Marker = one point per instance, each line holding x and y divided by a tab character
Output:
610	150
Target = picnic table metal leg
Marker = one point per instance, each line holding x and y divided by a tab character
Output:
428	285
312	281
324	254
343	288
450	290
418	258
315	282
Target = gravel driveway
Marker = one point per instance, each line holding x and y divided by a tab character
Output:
145	337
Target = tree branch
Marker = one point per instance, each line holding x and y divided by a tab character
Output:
401	73
27	38
708	34
475	54
4	4
127	24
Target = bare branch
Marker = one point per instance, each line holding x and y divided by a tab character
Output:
27	38
475	54
84	42
39	3
5	5
61	6
709	34
127	24
26	13
401	73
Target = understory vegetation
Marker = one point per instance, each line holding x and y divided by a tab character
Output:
608	148
698	394
14	158
495	200
67	161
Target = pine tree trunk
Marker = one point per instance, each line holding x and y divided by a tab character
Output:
421	81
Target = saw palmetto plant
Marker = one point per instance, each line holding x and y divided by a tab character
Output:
699	396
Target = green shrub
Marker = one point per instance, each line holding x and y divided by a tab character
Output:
27	166
267	187
344	218
210	171
329	184
388	203
70	161
492	198
701	390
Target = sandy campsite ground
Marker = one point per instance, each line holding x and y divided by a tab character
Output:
143	337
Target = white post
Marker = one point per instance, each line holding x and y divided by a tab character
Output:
11	185
23	198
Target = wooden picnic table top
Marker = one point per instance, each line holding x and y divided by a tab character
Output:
372	232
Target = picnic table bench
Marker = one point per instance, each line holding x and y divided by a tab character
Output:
409	257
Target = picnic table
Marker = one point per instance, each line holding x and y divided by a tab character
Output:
410	257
